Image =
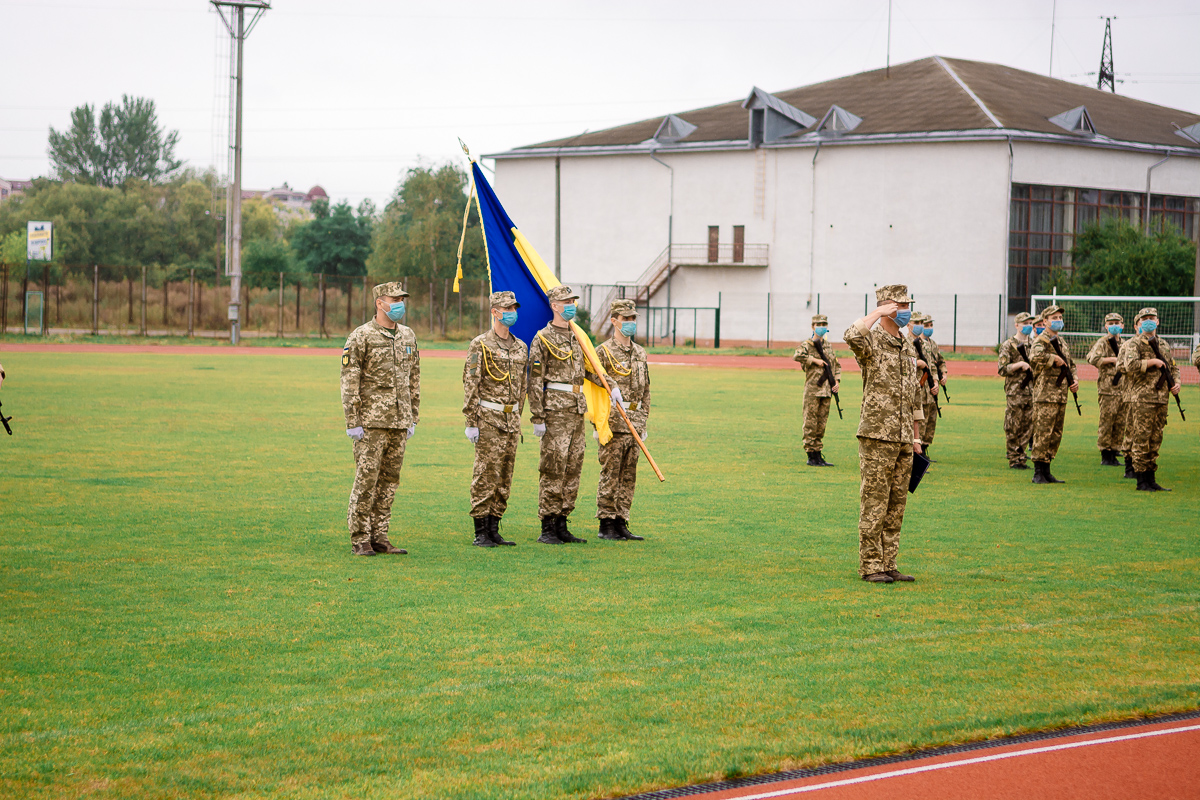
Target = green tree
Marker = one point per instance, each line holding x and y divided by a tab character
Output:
264	259
126	142
12	249
1116	258
335	242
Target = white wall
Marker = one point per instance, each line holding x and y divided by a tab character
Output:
1094	168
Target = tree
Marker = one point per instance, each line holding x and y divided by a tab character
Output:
127	143
264	259
335	242
1116	258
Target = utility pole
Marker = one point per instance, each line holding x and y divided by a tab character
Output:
1053	19
238	29
1107	76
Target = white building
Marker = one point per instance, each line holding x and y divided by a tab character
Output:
964	180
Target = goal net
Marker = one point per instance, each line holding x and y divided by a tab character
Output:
1083	315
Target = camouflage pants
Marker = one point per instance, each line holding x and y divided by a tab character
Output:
1018	427
816	415
1147	421
491	480
618	477
378	456
1127	431
1112	422
1047	429
929	426
885	467
561	463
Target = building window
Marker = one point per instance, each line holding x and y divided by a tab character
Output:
1044	221
714	243
739	244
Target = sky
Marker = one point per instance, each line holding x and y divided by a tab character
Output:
350	94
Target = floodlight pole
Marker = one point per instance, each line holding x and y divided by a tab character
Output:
238	30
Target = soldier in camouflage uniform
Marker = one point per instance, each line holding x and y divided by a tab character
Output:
887	430
1013	365
627	368
1148	395
494	384
1051	367
938	372
1	374
926	397
1110	394
381	396
814	354
556	406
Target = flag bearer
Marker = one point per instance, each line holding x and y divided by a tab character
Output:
1013	364
1054	375
1110	394
1147	372
814	355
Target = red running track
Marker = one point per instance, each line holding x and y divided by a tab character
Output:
1146	762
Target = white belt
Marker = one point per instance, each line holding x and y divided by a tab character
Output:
507	409
630	406
564	387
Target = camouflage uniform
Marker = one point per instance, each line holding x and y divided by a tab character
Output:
1018	412
381	393
885	436
494	374
1148	396
925	398
818	393
1049	393
627	367
1110	395
937	366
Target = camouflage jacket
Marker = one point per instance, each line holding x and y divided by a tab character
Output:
1196	357
555	357
1102	349
381	377
889	375
1047	388
926	351
1009	354
1146	385
495	373
938	365
627	367
815	384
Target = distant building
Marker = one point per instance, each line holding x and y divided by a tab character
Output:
288	201
10	187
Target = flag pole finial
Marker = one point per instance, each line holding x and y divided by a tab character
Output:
464	147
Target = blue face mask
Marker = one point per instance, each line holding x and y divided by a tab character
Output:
918	330
568	312
396	312
1148	326
821	331
1056	325
928	332
903	316
629	328
1115	330
1039	330
508	318
1026	330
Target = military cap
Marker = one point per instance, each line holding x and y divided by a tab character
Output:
1024	317
389	289
560	293
926	319
1048	310
622	308
504	300
820	319
1148	311
1113	317
892	293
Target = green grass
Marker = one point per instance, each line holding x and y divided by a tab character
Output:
180	615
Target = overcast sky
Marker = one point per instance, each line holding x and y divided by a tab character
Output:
349	94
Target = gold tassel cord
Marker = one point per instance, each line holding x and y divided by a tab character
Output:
489	361
555	351
463	239
612	364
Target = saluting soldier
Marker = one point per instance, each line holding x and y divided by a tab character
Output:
494	385
1147	372
814	356
1054	374
1110	394
556	407
887	430
625	362
937	372
1013	364
381	396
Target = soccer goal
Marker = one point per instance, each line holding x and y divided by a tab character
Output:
1083	315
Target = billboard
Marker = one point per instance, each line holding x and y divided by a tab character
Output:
38	245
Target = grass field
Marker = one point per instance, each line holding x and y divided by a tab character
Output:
180	615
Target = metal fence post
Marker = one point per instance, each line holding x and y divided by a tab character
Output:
954	340
279	323
768	320
191	302
432	310
4	301
321	301
717	325
95	299
143	301
445	303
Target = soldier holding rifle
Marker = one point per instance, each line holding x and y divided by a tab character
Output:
1110	393
822	379
1013	365
937	379
1153	377
1054	374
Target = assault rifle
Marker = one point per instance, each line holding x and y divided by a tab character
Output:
1116	352
4	420
1064	372
944	389
827	375
1165	377
1029	372
928	375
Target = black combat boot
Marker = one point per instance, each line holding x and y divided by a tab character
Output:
1048	476
565	535
1108	458
821	458
1038	472
608	530
623	529
493	531
481	533
1150	479
362	549
549	528
1129	473
1142	484
1019	465
814	459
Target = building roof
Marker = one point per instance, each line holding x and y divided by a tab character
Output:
933	95
316	192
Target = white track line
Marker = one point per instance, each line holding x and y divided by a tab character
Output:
964	762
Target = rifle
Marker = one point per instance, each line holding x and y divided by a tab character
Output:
944	389
1116	352
1064	372
928	375
1029	372
827	375
1165	377
4	420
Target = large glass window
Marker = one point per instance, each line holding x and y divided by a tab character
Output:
1044	221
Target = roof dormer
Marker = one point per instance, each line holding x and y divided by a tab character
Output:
771	119
1076	121
672	129
837	121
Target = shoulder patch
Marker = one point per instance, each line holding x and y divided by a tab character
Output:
345	359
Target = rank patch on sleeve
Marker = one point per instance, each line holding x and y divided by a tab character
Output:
345	359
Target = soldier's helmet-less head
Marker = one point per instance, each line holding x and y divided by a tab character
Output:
504	300
892	293
622	308
561	294
389	289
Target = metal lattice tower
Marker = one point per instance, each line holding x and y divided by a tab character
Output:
1107	76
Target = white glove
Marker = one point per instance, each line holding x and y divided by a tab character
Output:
596	435
615	391
472	435
355	433
644	434
539	429
412	431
